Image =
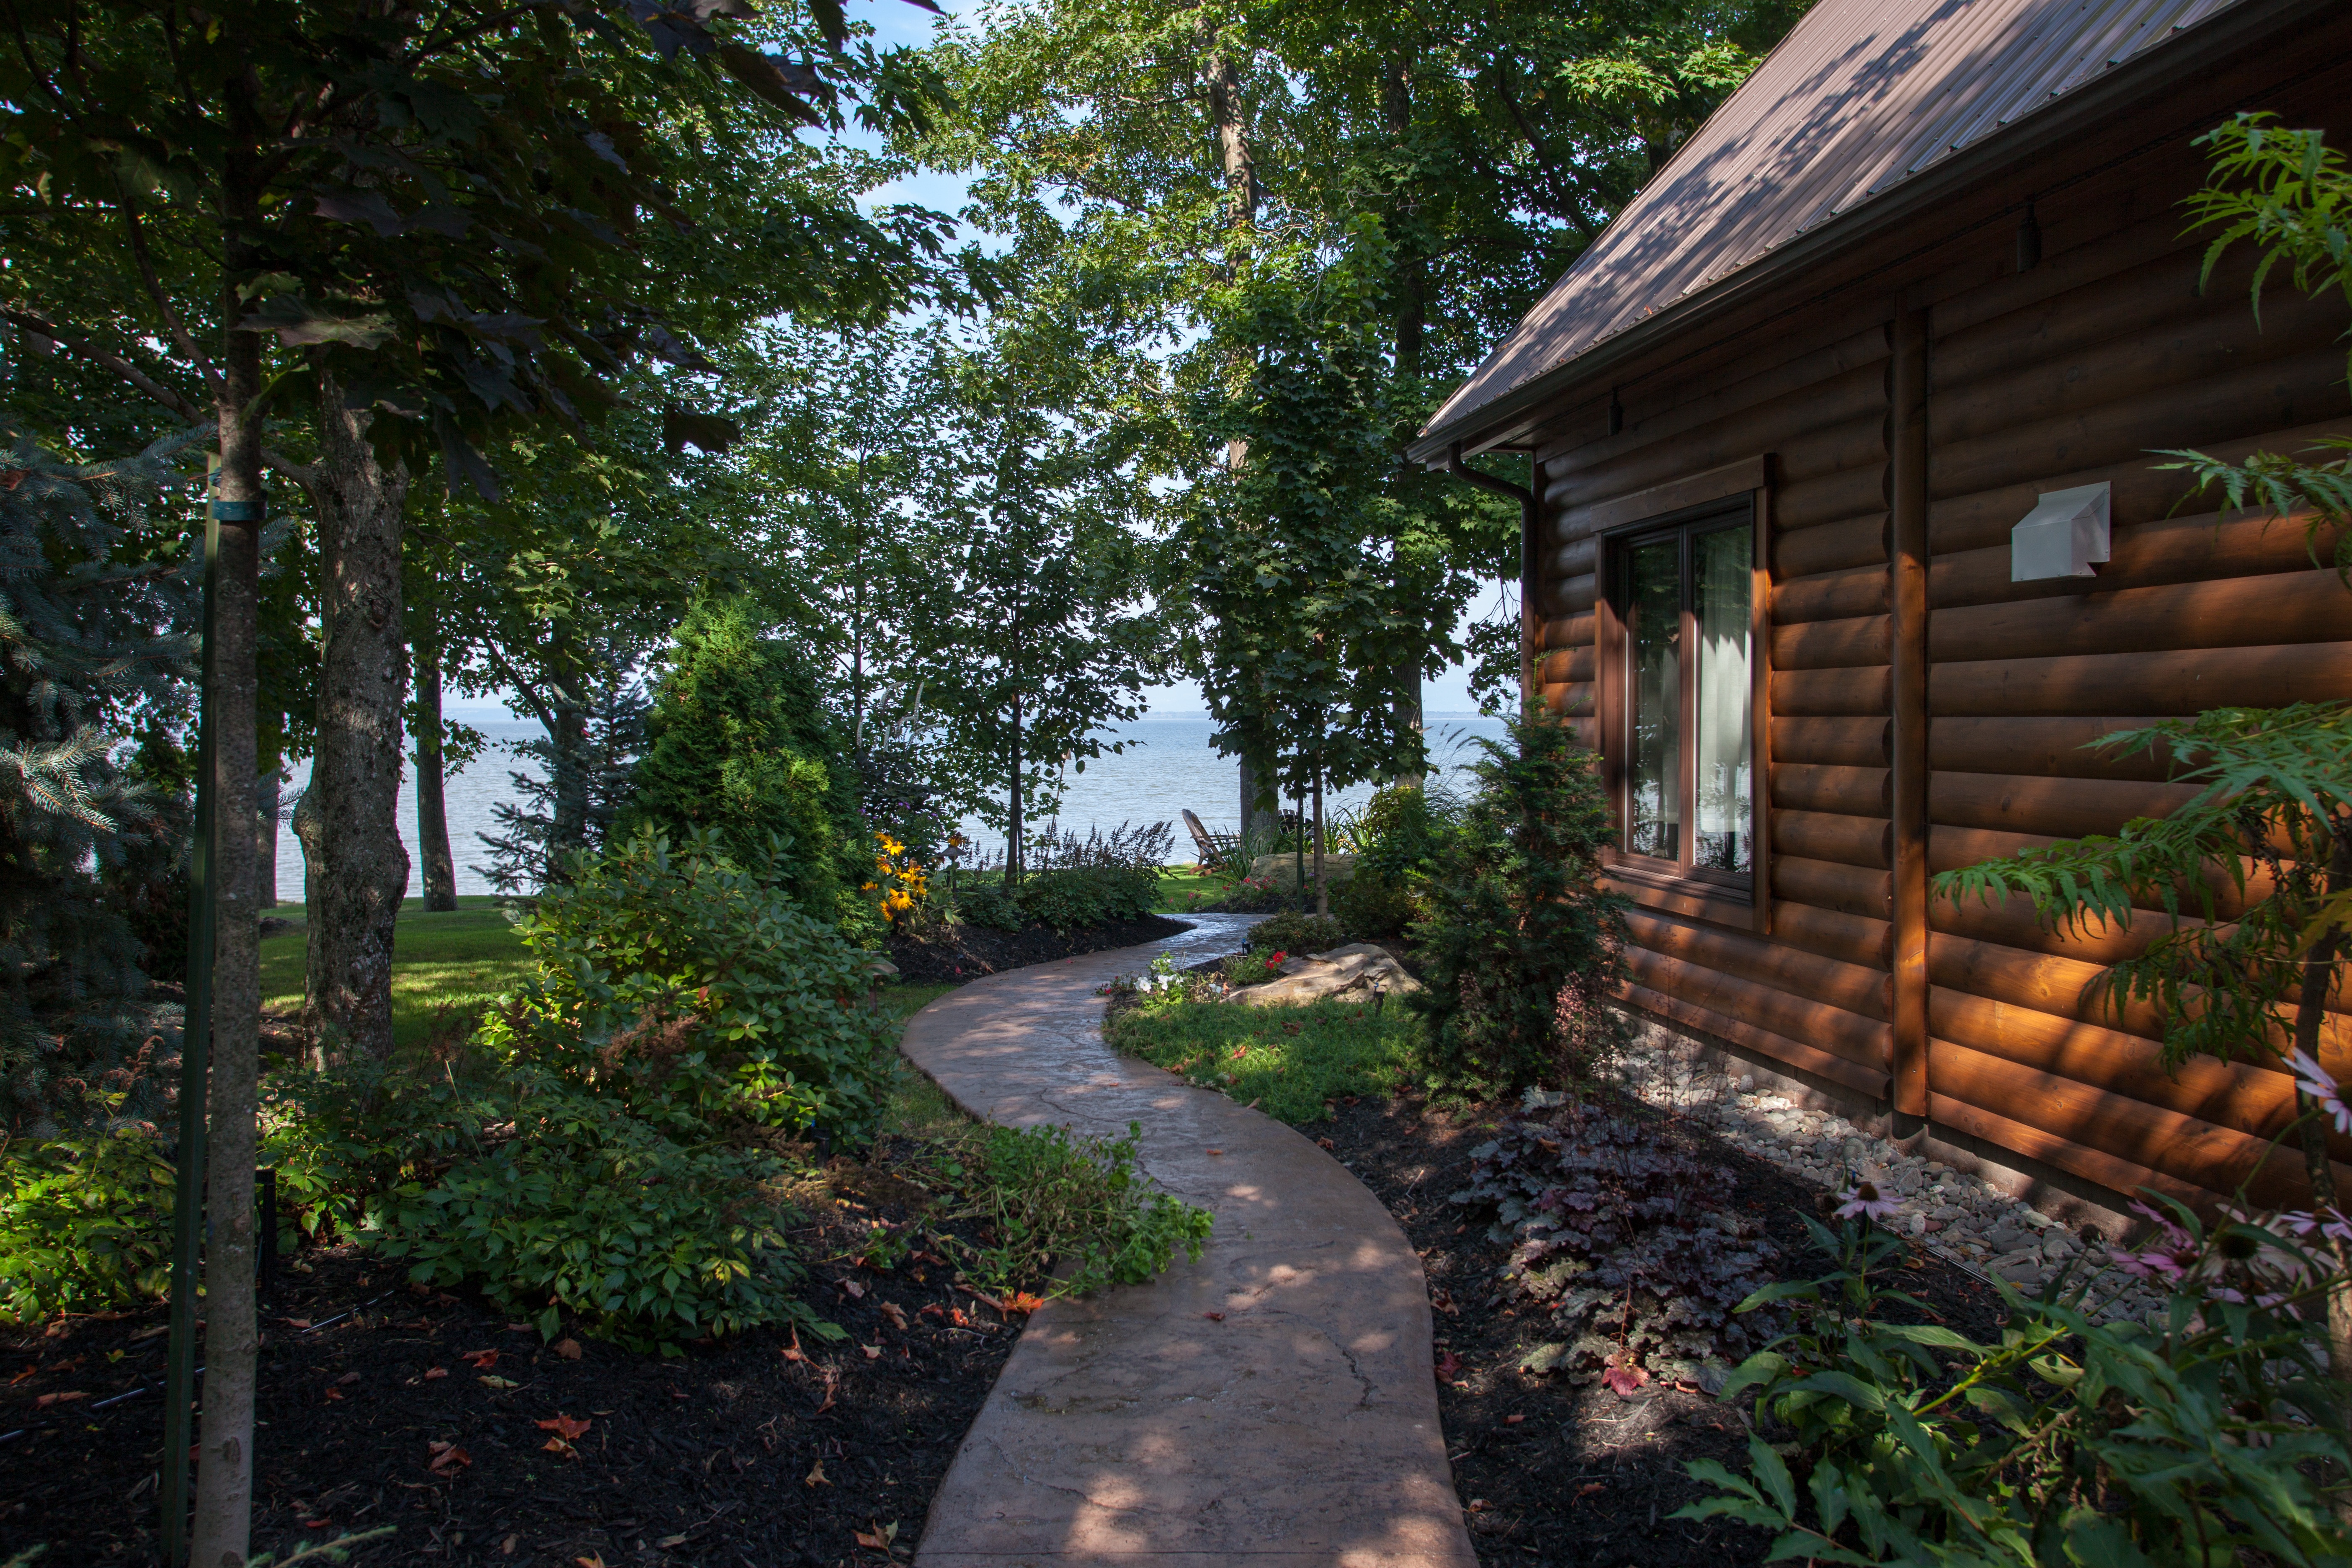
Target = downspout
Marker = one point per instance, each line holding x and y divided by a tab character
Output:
1527	622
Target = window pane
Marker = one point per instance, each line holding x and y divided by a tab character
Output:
1720	599
1654	809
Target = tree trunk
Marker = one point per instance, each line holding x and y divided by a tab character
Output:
432	786
568	830
268	796
354	849
222	1526
1012	809
1408	712
1322	888
2311	1013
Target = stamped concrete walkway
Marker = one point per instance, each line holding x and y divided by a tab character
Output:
1272	1402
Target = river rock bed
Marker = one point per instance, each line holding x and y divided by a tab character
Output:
1952	1214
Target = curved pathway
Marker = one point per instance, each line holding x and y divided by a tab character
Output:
1273	1402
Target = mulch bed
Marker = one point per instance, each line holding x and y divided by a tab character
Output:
731	1455
968	952
1553	1472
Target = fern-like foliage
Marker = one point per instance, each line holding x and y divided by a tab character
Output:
2289	194
95	636
2238	874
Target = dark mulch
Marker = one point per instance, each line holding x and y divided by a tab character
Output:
1552	1471
968	952
729	1454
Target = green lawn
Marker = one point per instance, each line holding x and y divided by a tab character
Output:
443	966
1287	1061
1181	889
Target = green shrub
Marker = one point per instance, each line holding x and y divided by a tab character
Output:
1085	896
677	978
2208	1437
1049	1196
989	904
739	745
1372	903
1297	933
644	1236
1519	941
85	1223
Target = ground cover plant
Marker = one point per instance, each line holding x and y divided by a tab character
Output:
1630	1232
1556	1468
1293	1063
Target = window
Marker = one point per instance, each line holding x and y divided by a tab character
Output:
1681	588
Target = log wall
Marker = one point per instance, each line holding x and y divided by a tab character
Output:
2069	373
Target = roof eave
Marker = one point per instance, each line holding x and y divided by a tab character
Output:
1507	417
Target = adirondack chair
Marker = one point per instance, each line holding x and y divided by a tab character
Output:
1215	849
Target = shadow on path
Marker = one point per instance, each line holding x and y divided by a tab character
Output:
1297	1424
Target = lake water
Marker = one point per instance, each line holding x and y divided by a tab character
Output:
1167	767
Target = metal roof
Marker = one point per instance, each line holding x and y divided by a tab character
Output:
1861	96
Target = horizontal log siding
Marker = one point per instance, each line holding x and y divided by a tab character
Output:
1812	995
2069	387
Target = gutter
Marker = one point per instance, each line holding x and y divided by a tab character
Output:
1527	622
2244	30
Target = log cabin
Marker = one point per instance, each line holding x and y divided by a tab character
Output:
1914	310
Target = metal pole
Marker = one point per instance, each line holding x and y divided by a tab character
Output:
195	1042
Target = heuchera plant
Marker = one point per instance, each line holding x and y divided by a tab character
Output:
1629	1236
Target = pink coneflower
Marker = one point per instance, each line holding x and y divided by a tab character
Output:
1865	1199
2315	1082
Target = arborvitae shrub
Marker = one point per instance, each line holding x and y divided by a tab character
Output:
1520	945
739	745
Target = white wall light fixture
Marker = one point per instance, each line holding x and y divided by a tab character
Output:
2064	536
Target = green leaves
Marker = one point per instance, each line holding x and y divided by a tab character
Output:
2072	1440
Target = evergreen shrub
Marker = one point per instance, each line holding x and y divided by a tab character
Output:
739	745
1520	942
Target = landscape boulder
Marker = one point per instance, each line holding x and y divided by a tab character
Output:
1355	972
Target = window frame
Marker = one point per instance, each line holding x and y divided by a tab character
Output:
1733	897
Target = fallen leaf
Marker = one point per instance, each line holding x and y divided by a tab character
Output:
1217	1150
64	1397
896	1313
433	1371
817	1476
1624	1381
507	1546
1214	1317
1588	1487
595	1561
1513	1420
1448	1364
1022	1302
570	1428
334	1393
480	1360
856	1291
295	1322
348	1379
873	1542
1324	1143
873	1352
793	1352
447	1457
499	1382
568	1349
666	1541
558	1446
